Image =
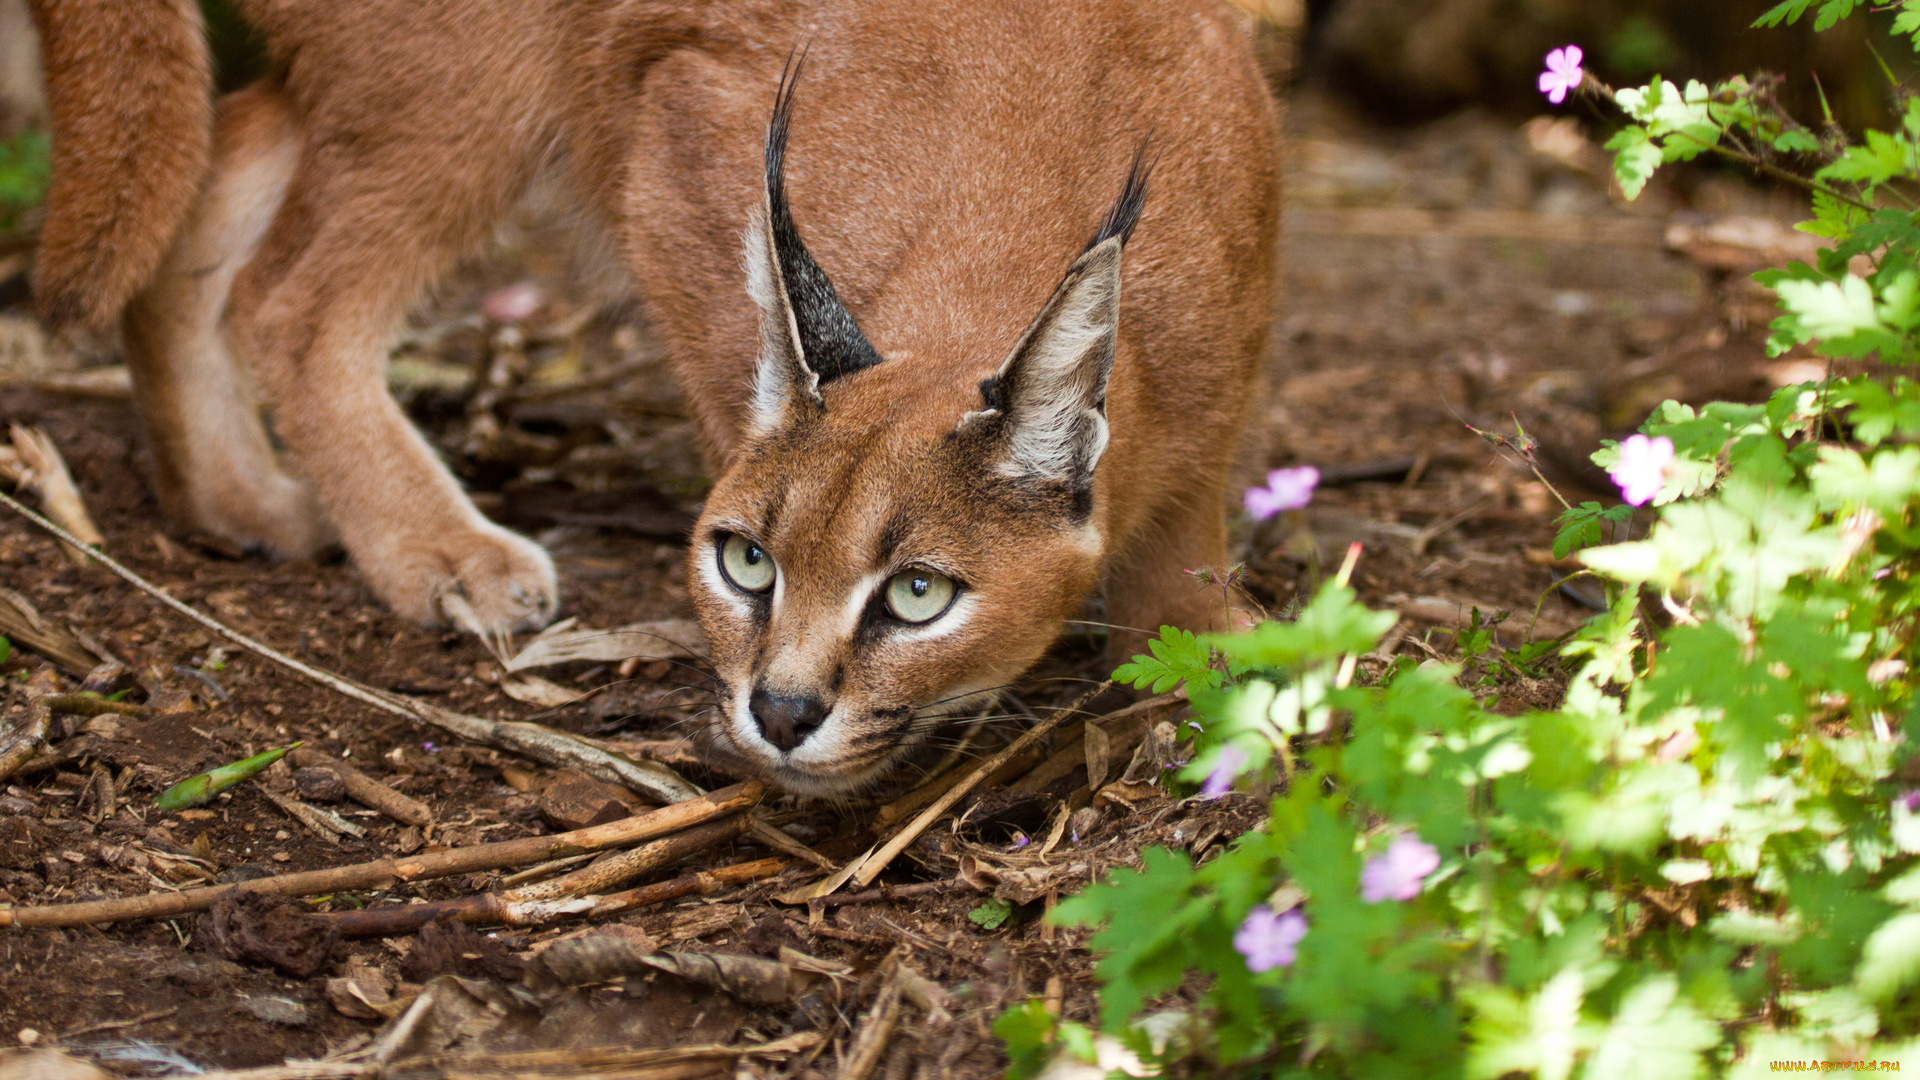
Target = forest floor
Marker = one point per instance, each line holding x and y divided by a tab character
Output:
1473	271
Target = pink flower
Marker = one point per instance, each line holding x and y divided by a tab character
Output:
1642	467
1563	74
1268	940
1287	489
512	304
1399	873
1225	767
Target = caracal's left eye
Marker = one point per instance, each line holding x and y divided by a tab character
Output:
918	596
745	565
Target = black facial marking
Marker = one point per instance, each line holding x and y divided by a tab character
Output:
831	343
990	395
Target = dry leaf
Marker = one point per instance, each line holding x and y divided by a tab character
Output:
665	639
535	690
1097	744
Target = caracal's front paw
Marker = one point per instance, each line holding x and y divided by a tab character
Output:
483	580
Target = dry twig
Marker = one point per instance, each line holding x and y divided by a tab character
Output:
542	744
864	869
382	873
325	824
365	789
876	1027
573	896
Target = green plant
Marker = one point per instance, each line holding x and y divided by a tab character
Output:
1707	859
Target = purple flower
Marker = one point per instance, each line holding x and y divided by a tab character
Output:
1225	767
1642	467
1910	800
1287	489
1398	874
1563	74
429	748
1268	940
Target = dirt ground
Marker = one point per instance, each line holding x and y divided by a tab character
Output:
1472	271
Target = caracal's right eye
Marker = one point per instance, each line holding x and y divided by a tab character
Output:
745	566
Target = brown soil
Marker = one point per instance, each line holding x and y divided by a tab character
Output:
1449	275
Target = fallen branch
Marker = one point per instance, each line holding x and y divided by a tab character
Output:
26	739
566	897
382	873
365	789
888	892
542	744
36	464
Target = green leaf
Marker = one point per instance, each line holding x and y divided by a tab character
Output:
195	790
991	915
1332	624
1796	141
1655	1035
1178	656
1908	21
1027	1030
1635	159
1890	960
6	648
1542	1035
1879	160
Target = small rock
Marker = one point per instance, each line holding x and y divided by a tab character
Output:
12	805
574	800
276	1011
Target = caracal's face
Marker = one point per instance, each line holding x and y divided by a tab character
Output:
865	574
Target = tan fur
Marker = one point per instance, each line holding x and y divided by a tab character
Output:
947	162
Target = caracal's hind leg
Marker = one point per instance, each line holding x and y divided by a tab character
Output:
366	224
215	469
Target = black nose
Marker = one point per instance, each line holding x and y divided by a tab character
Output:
786	721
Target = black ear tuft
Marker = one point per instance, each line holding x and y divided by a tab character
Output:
831	344
1133	197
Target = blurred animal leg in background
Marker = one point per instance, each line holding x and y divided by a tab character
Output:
214	466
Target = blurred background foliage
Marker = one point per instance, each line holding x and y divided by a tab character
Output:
1412	60
1402	61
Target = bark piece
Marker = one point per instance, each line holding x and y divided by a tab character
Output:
574	800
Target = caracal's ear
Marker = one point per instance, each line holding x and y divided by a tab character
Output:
1050	397
807	336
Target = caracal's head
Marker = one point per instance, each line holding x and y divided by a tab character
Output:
882	555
